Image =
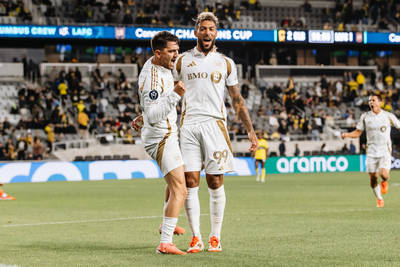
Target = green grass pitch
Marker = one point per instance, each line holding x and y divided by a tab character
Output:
327	219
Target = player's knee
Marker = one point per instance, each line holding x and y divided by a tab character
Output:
384	174
191	182
214	183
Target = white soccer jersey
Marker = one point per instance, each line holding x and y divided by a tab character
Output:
377	127
158	101
205	78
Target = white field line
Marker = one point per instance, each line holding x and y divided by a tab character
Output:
87	221
5	265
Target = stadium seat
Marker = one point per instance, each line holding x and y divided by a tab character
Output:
116	157
107	157
89	158
97	157
78	158
126	157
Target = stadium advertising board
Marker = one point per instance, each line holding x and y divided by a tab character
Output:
382	38
243	35
93	171
124	33
347	163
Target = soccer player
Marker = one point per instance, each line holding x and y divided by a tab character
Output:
260	156
159	97
204	137
4	195
377	124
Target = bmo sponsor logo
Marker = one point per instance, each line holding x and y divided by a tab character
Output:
312	164
394	38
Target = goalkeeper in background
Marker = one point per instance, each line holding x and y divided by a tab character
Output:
260	156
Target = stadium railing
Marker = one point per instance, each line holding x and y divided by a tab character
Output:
130	70
306	72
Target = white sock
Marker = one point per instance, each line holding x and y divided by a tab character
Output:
192	208
217	207
167	229
377	192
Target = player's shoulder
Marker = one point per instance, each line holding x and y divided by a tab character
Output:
387	113
178	63
222	56
185	54
366	114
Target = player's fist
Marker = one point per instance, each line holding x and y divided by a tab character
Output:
344	135
137	123
179	88
253	141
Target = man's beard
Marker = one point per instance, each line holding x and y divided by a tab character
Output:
206	50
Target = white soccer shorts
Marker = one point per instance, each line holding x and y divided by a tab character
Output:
207	142
373	164
166	152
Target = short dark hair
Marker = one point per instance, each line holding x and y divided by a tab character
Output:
377	95
160	40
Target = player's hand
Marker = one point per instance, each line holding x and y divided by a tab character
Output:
179	88
253	141
137	123
344	135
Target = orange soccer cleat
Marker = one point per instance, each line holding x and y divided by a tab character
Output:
196	245
384	187
177	231
5	196
380	203
215	244
169	248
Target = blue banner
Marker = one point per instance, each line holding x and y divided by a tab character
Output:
124	33
242	35
382	38
95	170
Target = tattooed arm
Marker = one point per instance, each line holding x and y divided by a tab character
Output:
239	105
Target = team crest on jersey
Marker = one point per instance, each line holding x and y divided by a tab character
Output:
216	76
153	94
383	129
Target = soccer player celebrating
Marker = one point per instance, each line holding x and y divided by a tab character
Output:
377	124
204	138
260	156
159	97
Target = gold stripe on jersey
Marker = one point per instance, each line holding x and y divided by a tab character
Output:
228	67
183	114
141	87
152	78
391	122
162	85
221	126
222	111
161	145
179	65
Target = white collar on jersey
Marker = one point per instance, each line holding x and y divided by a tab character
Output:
198	53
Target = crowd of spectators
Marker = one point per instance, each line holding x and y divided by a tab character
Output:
12	8
294	109
65	106
384	14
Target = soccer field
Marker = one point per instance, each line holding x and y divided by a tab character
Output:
327	219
